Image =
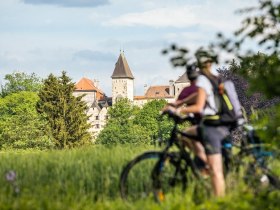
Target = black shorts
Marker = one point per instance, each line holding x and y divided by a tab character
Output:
212	137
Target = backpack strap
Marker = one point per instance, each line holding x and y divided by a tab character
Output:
215	85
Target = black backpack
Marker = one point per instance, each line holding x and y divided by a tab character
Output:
227	103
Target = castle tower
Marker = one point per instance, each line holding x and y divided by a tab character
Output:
180	83
122	80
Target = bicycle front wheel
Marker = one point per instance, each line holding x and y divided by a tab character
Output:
139	178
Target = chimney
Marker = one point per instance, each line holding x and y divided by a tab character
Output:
96	83
171	88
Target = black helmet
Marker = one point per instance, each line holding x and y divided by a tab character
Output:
192	72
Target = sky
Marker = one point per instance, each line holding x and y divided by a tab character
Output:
85	37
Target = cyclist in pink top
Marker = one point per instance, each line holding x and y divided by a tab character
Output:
189	93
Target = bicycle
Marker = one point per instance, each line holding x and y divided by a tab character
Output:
175	170
255	160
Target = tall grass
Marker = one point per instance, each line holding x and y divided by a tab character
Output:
93	170
88	178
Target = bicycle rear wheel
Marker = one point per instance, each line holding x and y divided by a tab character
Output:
260	170
258	178
149	175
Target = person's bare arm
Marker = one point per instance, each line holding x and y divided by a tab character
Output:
191	99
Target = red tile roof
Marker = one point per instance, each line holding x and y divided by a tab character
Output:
158	92
86	84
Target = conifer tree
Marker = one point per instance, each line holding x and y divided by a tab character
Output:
65	113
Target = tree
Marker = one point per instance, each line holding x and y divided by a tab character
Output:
20	81
250	101
65	113
122	112
263	28
120	128
261	70
130	133
149	118
128	124
20	125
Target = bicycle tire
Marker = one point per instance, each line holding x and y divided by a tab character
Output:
137	181
258	172
259	179
186	177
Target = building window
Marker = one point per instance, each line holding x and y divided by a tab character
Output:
96	117
107	117
97	126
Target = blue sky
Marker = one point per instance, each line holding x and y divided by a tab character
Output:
84	37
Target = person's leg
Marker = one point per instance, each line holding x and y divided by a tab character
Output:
195	145
199	151
213	137
217	175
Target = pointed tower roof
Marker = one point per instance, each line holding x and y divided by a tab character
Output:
183	79
122	69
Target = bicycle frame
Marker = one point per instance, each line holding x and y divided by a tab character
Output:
174	140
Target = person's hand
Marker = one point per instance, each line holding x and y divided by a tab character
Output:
169	109
173	104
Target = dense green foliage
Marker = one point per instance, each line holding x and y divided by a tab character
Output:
120	128
130	124
87	178
20	81
267	122
114	134
20	125
263	73
149	118
65	113
122	112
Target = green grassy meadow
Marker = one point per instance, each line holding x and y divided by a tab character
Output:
88	178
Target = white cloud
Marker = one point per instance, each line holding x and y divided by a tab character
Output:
68	3
181	14
50	42
162	17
